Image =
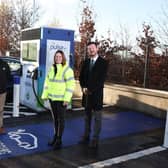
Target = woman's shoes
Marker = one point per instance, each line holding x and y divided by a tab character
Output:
57	144
51	143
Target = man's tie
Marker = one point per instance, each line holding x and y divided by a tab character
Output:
91	64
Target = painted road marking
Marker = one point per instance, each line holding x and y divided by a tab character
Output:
82	108
24	113
124	158
23	110
11	106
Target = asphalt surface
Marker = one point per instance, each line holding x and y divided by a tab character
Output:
82	156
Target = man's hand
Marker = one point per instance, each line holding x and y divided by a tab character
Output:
85	91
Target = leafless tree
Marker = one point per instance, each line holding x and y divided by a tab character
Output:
7	24
26	14
15	15
161	30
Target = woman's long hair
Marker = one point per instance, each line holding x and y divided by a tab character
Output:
63	60
63	57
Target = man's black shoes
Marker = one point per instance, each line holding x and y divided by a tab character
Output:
85	140
94	144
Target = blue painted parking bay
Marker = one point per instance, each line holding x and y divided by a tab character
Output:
29	139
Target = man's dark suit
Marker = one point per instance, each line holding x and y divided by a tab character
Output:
93	80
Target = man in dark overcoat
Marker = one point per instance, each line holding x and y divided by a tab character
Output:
5	76
92	78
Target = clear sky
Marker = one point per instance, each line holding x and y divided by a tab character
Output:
110	14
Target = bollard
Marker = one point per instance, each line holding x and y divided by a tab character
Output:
16	93
166	132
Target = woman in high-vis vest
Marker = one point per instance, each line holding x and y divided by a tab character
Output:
58	89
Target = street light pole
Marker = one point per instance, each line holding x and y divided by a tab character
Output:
33	12
146	66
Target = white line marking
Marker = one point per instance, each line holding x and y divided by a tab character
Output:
124	158
82	108
21	107
25	113
6	116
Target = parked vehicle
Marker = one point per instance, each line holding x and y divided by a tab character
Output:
16	69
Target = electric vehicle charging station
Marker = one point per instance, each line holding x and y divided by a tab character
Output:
38	46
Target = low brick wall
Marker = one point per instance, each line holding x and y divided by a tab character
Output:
153	102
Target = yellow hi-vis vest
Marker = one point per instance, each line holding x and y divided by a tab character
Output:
61	86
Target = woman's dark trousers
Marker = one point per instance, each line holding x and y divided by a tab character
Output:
58	114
